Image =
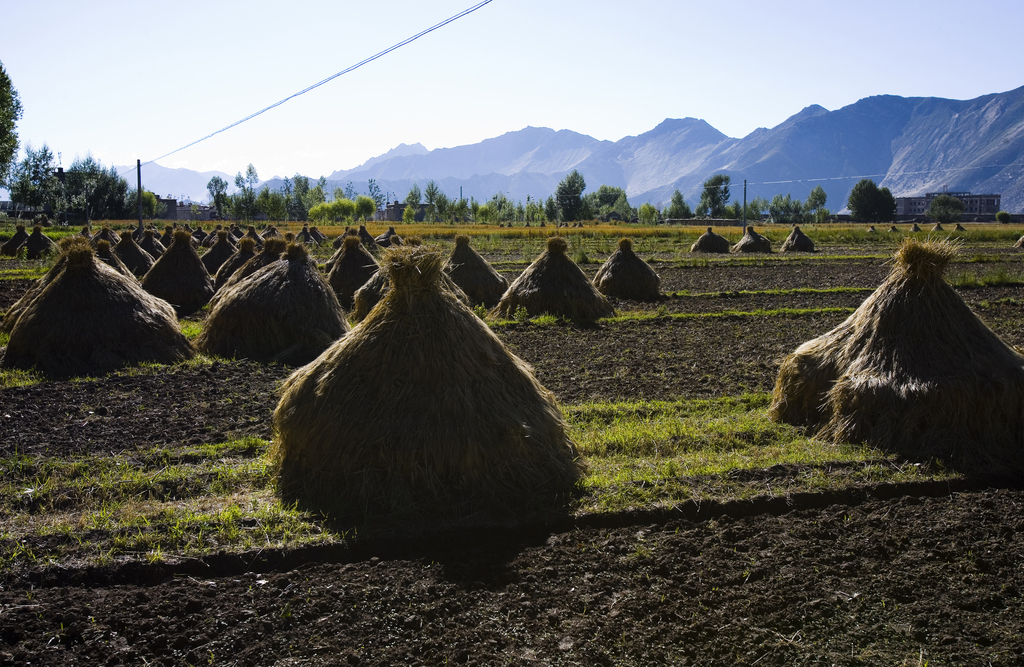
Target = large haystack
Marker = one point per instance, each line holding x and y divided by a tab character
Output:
64	246
914	371
710	242
135	258
373	290
351	267
797	241
246	251
420	409
219	253
179	277
473	275
11	247
554	284
152	244
752	242
271	253
38	244
105	254
626	276
284	312
90	319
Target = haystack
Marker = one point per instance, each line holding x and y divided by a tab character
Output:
368	241
271	253
959	228
938	227
710	242
246	251
236	232
106	234
199	236
179	277
472	273
306	236
64	246
626	276
152	244
893	228
554	284
38	244
168	238
915	228
135	258
351	266
420	409
86	233
317	234
270	233
872	230
106	255
221	251
284	312
13	244
797	241
913	371
212	237
90	319
251	233
752	242
384	240
373	290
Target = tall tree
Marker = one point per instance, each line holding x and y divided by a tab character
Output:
551	209
243	204
946	208
218	189
569	195
95	192
297	208
10	114
871	203
364	207
677	208
714	196
414	197
33	182
431	193
375	194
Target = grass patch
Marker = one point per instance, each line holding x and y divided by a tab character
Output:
1000	276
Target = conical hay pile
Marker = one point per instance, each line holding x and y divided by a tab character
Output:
252	234
368	241
90	319
212	237
710	242
246	251
219	253
199	235
420	406
179	277
373	290
893	228
284	312
66	244
938	227
151	244
107	256
135	258
797	241
168	238
554	284
752	242
106	234
351	268
38	244
913	370
270	233
305	236
915	228
473	275
959	228
271	253
13	244
317	234
871	230
626	276
85	233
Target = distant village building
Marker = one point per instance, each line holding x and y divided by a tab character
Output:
182	210
973	204
393	212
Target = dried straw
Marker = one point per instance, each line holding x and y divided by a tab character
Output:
474	276
752	242
797	241
711	242
179	277
626	276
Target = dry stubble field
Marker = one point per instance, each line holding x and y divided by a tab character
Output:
140	526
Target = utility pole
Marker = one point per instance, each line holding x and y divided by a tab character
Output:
744	204
138	173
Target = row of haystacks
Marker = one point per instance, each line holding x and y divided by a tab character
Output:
36	245
751	241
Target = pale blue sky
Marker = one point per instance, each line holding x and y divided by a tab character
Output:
137	79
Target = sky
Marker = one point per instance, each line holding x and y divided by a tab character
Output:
127	80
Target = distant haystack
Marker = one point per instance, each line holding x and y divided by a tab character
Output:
199	236
168	238
306	236
107	256
351	267
797	241
420	410
90	319
179	277
252	234
272	251
284	312
959	228
106	234
270	233
914	371
37	245
135	258
472	273
752	242
915	228
152	244
893	228
626	276
317	235
14	244
711	242
938	227
212	237
86	233
554	284
385	239
219	253
246	251
872	230
368	241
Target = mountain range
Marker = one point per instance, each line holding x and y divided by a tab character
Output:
910	145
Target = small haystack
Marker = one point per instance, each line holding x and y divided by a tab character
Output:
38	244
368	241
317	234
284	312
179	277
221	251
199	236
152	244
797	241
106	234
135	258
872	230
711	242
350	268
236	232
554	284
893	228
914	371
168	238
106	255
270	233
384	240
212	237
252	234
626	276
271	253
915	228
420	410
752	242
90	319
473	275
246	251
306	236
938	227
11	247
86	233
959	228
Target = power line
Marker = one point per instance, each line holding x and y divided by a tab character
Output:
359	64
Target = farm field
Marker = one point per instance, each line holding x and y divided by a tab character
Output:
139	525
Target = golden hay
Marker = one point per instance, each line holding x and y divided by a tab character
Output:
106	234
349	270
893	228
152	244
13	244
90	319
135	258
219	253
38	244
472	273
420	408
938	227
752	242
710	242
914	371
554	284
284	312
65	245
959	228
246	251
107	256
373	290
626	276
272	251
179	277
915	228
797	241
